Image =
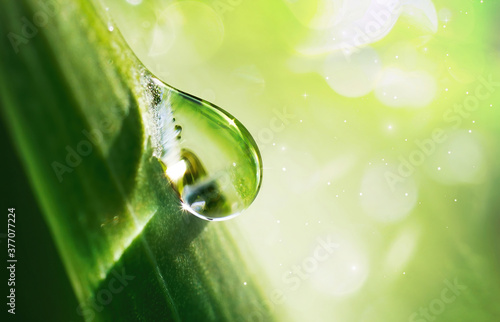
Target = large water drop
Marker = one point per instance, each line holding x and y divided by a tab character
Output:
210	158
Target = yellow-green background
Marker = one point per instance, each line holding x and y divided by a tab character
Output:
325	172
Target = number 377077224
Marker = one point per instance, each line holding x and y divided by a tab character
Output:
11	233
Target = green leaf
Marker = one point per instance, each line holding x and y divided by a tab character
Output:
72	97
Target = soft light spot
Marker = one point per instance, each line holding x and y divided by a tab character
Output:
401	249
336	276
134	2
464	165
186	33
397	88
354	77
383	198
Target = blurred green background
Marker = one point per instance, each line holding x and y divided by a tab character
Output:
378	131
377	123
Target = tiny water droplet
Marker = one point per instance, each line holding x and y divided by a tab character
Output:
215	164
178	130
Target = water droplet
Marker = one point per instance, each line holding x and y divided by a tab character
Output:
210	158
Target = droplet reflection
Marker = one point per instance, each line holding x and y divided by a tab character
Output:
210	158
